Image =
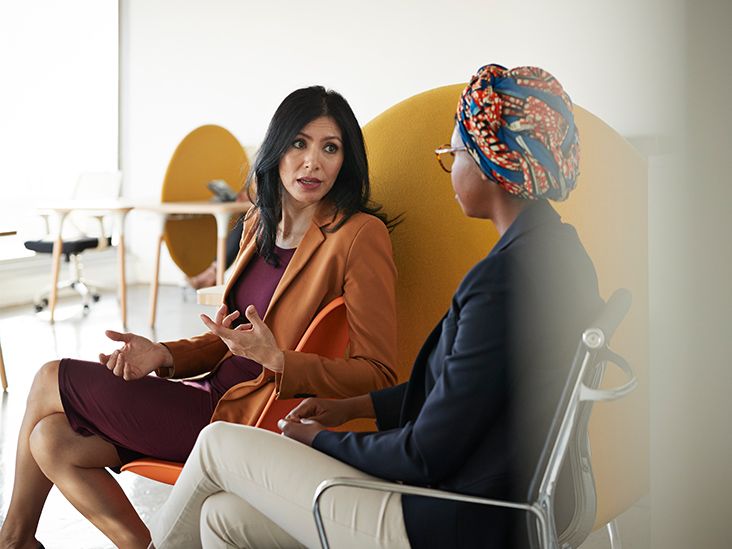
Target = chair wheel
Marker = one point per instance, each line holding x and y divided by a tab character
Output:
96	297
38	308
86	307
44	302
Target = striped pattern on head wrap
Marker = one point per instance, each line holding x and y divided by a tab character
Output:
518	126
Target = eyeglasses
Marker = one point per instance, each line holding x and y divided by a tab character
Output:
446	156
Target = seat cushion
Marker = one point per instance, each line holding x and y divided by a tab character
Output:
69	247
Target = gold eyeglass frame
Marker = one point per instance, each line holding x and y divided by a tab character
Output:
447	149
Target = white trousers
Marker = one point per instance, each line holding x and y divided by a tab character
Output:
247	487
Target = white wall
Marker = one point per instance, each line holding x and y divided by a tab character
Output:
230	62
691	440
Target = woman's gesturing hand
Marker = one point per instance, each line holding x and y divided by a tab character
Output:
253	340
136	358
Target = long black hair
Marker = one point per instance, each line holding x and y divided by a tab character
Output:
351	191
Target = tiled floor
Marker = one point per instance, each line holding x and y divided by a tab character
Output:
28	341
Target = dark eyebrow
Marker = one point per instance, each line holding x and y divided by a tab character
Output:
326	138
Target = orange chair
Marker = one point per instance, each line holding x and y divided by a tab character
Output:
327	336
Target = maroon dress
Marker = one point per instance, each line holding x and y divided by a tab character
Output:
158	417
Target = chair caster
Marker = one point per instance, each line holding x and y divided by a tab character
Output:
96	297
38	308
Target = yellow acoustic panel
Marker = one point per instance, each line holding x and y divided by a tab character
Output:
208	152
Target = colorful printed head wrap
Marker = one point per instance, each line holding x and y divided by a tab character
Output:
518	126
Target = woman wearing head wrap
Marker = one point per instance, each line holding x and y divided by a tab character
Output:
483	388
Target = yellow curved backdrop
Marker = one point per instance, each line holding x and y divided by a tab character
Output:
436	245
208	152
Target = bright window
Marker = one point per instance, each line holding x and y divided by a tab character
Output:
58	104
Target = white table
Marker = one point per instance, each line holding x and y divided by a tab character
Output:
222	211
60	210
210	296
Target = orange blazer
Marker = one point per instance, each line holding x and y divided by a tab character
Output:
355	262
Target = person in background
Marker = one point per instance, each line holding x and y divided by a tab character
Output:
311	236
207	277
473	415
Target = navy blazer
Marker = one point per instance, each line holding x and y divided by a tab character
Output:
473	416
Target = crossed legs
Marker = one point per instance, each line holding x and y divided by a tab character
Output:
50	452
247	487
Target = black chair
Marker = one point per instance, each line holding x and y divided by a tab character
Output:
70	250
566	440
89	186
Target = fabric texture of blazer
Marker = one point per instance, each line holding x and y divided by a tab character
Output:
484	386
355	262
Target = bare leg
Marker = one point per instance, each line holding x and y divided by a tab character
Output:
76	465
31	486
205	278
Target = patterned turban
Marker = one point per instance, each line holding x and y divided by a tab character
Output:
518	126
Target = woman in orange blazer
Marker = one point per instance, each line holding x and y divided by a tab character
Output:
353	259
312	235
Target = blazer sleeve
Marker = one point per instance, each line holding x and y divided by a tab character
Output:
370	297
388	406
195	355
466	397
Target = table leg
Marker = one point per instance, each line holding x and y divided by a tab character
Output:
122	280
56	264
154	285
120	217
222	229
3	377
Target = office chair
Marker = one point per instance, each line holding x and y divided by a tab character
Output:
89	186
566	431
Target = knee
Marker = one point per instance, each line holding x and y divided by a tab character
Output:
210	438
220	441
219	434
46	378
46	446
215	431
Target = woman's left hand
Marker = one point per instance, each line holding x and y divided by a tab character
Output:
254	340
302	430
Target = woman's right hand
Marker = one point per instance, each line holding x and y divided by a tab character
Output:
138	356
332	412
